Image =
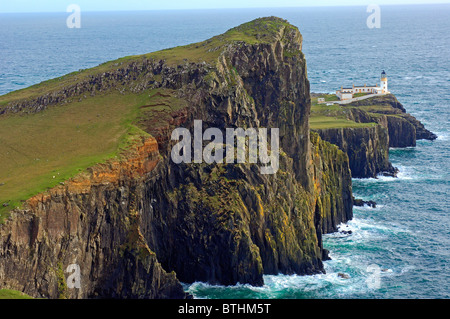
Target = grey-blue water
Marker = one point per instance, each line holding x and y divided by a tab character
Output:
408	235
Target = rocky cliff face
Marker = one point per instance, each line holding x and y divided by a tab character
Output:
401	132
404	129
366	147
332	186
140	225
92	221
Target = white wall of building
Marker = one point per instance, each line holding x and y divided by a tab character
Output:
347	93
346	96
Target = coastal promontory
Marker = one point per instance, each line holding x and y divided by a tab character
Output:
88	185
97	187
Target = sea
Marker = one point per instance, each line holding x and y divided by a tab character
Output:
398	250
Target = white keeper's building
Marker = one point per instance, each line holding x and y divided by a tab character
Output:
347	93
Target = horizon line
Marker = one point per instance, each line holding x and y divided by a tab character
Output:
240	8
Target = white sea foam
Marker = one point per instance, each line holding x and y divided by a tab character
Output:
367	208
316	283
407	269
442	136
197	287
345	275
404	173
401	175
402	148
363	231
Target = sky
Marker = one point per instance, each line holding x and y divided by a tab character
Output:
122	5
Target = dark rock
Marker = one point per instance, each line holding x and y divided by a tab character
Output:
401	132
325	255
344	276
392	173
360	203
421	132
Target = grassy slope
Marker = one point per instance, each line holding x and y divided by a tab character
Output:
323	122
13	294
331	116
38	151
257	31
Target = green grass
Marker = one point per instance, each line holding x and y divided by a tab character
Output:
13	294
373	108
324	122
258	30
39	151
327	97
331	116
360	94
323	108
254	32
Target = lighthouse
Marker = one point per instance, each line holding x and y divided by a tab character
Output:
347	93
384	83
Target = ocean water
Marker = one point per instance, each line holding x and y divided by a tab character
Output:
401	249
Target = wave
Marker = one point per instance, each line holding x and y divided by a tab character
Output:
358	226
347	273
367	208
442	136
363	234
408	148
332	284
381	178
407	269
203	290
362	224
404	173
401	175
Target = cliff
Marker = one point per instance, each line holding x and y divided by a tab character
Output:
138	224
366	147
404	129
332	185
91	221
366	129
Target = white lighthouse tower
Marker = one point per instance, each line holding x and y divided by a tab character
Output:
384	83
